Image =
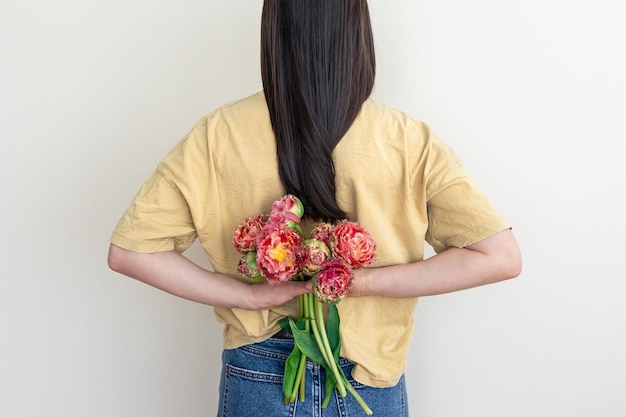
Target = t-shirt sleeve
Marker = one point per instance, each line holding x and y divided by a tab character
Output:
459	213
158	219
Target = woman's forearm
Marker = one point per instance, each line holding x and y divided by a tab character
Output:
491	260
177	275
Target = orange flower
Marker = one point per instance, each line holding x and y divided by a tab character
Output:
352	243
247	234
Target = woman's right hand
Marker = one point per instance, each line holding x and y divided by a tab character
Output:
264	296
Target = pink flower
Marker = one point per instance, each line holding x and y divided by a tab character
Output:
277	255
322	232
333	282
353	244
289	204
247	234
248	268
311	255
286	212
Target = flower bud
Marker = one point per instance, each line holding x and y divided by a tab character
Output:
286	213
312	255
248	268
323	232
290	204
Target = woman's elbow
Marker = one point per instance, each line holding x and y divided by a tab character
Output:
514	266
504	252
116	258
512	259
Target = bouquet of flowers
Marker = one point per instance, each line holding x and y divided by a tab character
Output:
275	249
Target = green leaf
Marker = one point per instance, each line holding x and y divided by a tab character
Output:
330	387
284	323
306	343
301	324
332	326
332	330
291	370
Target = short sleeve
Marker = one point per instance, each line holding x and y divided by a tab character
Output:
459	213
158	219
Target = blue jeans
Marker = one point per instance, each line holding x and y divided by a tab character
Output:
251	386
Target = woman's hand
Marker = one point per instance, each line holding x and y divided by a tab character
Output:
263	296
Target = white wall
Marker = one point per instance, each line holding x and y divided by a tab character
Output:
532	95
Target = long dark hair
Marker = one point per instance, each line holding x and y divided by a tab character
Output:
318	67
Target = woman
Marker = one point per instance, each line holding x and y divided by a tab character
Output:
315	133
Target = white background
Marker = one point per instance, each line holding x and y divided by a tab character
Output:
531	94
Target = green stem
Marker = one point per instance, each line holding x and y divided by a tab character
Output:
358	399
301	374
300	379
326	347
298	229
307	327
315	328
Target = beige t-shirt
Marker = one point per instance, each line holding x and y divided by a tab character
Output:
393	175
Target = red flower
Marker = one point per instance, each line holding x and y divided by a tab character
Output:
353	244
311	255
277	255
247	234
333	282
